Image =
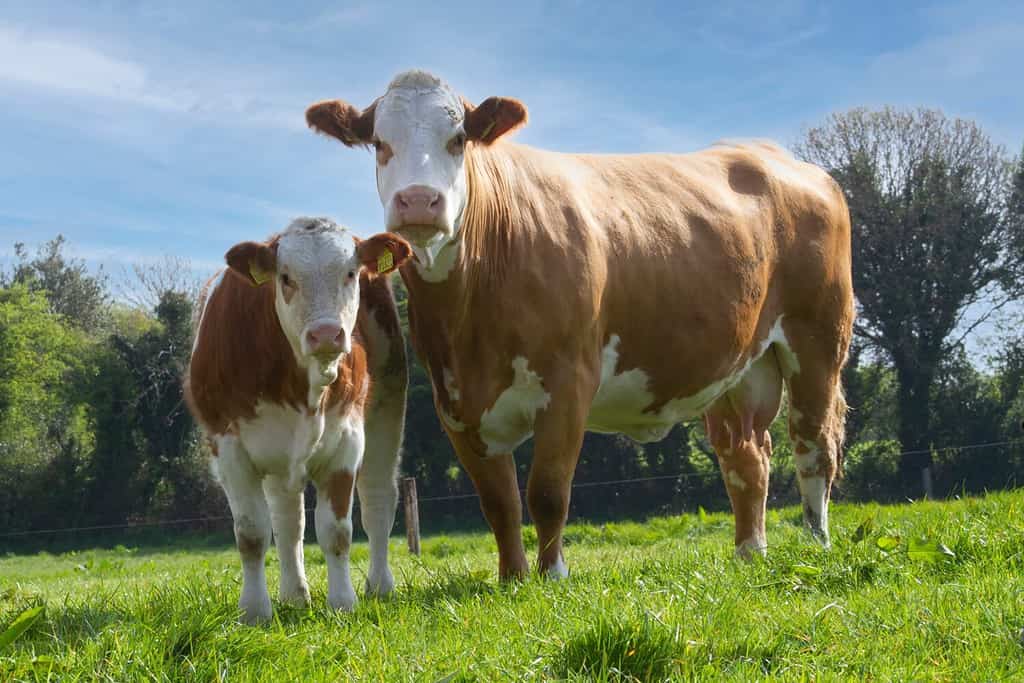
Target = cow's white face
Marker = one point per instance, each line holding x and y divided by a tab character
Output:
314	267
420	146
421	132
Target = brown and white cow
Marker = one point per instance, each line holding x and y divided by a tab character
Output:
557	293
289	339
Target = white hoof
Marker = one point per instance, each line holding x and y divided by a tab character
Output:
380	584
256	610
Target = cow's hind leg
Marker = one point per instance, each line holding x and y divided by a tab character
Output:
288	516
378	488
737	426
251	515
817	415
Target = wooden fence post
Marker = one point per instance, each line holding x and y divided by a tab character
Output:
412	514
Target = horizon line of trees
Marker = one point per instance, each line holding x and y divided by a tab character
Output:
93	429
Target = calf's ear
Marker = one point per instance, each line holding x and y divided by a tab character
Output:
383	253
342	121
493	118
254	261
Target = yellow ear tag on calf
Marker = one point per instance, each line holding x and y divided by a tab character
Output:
259	276
385	262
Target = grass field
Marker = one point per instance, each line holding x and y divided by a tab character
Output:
929	591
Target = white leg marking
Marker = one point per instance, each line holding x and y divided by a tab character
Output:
558	570
251	516
755	545
289	521
814	492
734	478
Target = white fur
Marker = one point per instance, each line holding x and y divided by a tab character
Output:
734	478
449	385
509	422
622	400
558	570
814	492
417	117
272	449
317	255
755	545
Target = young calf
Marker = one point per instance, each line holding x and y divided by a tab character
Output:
288	338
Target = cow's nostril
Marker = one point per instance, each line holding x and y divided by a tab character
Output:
437	200
400	200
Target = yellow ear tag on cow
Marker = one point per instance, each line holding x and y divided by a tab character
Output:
385	262
488	129
259	276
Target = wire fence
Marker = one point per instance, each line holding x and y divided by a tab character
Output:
677	477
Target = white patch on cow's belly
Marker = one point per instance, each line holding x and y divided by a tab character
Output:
621	402
509	422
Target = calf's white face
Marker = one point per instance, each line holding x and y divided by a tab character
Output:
420	130
314	268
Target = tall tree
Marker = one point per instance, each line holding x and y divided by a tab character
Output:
933	244
72	291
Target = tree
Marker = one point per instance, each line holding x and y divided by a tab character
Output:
71	290
932	244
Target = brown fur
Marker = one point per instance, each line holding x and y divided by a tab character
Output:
242	355
342	121
689	259
697	253
339	492
493	118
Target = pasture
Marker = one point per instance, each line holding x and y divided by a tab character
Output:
923	591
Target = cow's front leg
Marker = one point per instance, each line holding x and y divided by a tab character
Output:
288	516
497	484
335	486
241	483
558	438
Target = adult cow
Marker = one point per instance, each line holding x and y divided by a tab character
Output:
555	293
288	339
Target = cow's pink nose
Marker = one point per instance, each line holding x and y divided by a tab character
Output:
419	205
324	337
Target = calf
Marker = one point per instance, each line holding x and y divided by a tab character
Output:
288	338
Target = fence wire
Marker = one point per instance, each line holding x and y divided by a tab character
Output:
681	476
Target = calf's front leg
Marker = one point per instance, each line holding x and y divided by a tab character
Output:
251	515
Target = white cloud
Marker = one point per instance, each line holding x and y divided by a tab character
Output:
56	64
52	63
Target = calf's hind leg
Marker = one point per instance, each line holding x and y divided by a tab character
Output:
737	426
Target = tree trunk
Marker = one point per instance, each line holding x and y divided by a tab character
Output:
914	428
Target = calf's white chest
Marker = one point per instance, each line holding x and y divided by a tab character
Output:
287	442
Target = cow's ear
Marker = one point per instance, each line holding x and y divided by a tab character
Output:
342	121
383	253
254	261
493	118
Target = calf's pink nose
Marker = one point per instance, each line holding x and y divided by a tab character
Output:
419	205
324	337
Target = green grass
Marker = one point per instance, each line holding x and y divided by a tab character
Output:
653	601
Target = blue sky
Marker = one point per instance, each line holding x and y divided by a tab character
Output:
138	130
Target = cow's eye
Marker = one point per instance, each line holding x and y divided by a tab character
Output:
457	144
351	275
384	152
287	281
